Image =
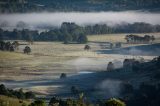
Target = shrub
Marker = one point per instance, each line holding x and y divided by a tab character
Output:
63	75
115	102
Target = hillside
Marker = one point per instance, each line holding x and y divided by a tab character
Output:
9	101
108	84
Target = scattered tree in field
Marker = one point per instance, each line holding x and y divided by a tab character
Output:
11	49
110	66
138	39
27	50
15	45
87	47
115	102
63	75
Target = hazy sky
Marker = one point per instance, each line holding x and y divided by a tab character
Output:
55	19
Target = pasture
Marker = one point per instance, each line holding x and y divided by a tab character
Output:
119	37
49	59
8	101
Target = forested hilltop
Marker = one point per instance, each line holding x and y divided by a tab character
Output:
11	6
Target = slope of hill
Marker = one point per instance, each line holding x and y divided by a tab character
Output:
108	83
8	101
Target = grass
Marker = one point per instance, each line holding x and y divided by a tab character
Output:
49	59
12	55
13	101
118	37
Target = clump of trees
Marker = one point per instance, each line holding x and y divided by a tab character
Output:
8	46
87	47
131	64
27	50
110	66
116	45
63	76
73	33
67	33
16	93
139	39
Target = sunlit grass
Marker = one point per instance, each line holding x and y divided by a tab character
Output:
118	37
13	101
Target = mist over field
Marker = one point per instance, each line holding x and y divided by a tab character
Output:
42	20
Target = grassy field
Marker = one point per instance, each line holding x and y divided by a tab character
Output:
8	101
49	59
118	37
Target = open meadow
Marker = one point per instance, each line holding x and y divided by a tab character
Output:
119	37
49	59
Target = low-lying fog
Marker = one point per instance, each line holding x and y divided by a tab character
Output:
44	20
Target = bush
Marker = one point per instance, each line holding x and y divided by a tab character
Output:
115	102
63	75
27	50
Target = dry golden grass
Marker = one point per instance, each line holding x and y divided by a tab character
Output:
13	101
118	37
12	55
49	59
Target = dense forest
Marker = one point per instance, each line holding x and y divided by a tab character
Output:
72	33
11	6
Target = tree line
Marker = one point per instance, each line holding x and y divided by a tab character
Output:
139	39
68	33
73	33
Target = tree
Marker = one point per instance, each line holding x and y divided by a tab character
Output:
82	39
15	44
115	102
63	75
2	45
110	66
3	90
11	49
87	47
29	95
27	50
